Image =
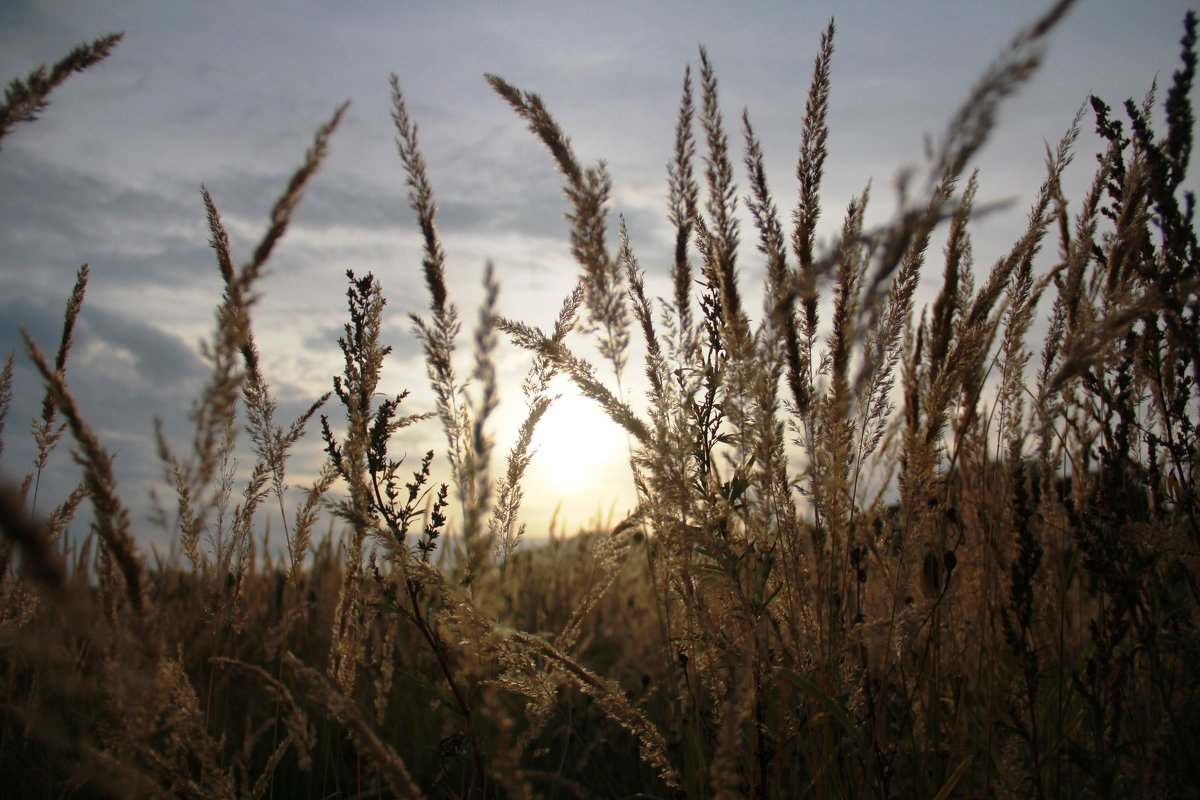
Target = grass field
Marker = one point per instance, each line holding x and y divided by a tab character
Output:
879	550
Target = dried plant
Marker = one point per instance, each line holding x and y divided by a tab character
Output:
879	549
25	99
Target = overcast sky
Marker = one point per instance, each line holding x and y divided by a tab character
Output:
228	94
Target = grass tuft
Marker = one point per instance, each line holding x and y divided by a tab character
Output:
881	548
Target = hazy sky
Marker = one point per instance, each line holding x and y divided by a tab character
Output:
228	94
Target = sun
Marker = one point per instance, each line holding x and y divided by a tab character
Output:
575	443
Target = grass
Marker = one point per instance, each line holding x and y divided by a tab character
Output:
904	552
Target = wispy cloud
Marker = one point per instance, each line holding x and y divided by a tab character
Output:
111	174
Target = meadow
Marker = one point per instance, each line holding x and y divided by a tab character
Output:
879	550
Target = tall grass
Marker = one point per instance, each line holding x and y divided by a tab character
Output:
900	553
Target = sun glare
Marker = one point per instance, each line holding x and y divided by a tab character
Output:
574	442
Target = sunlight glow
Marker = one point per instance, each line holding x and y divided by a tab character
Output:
574	443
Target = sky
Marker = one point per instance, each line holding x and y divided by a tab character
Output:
228	95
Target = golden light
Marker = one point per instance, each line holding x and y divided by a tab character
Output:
575	444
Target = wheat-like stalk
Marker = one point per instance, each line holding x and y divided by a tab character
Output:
877	550
25	99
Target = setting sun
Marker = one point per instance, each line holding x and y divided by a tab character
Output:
574	443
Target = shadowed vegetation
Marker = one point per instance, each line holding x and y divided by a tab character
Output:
879	549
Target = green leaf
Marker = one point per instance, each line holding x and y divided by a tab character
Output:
954	778
831	706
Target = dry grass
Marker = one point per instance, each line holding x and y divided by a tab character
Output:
980	579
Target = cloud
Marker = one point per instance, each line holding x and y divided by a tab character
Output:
110	174
159	356
122	367
56	218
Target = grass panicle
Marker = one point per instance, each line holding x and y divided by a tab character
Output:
887	541
25	99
